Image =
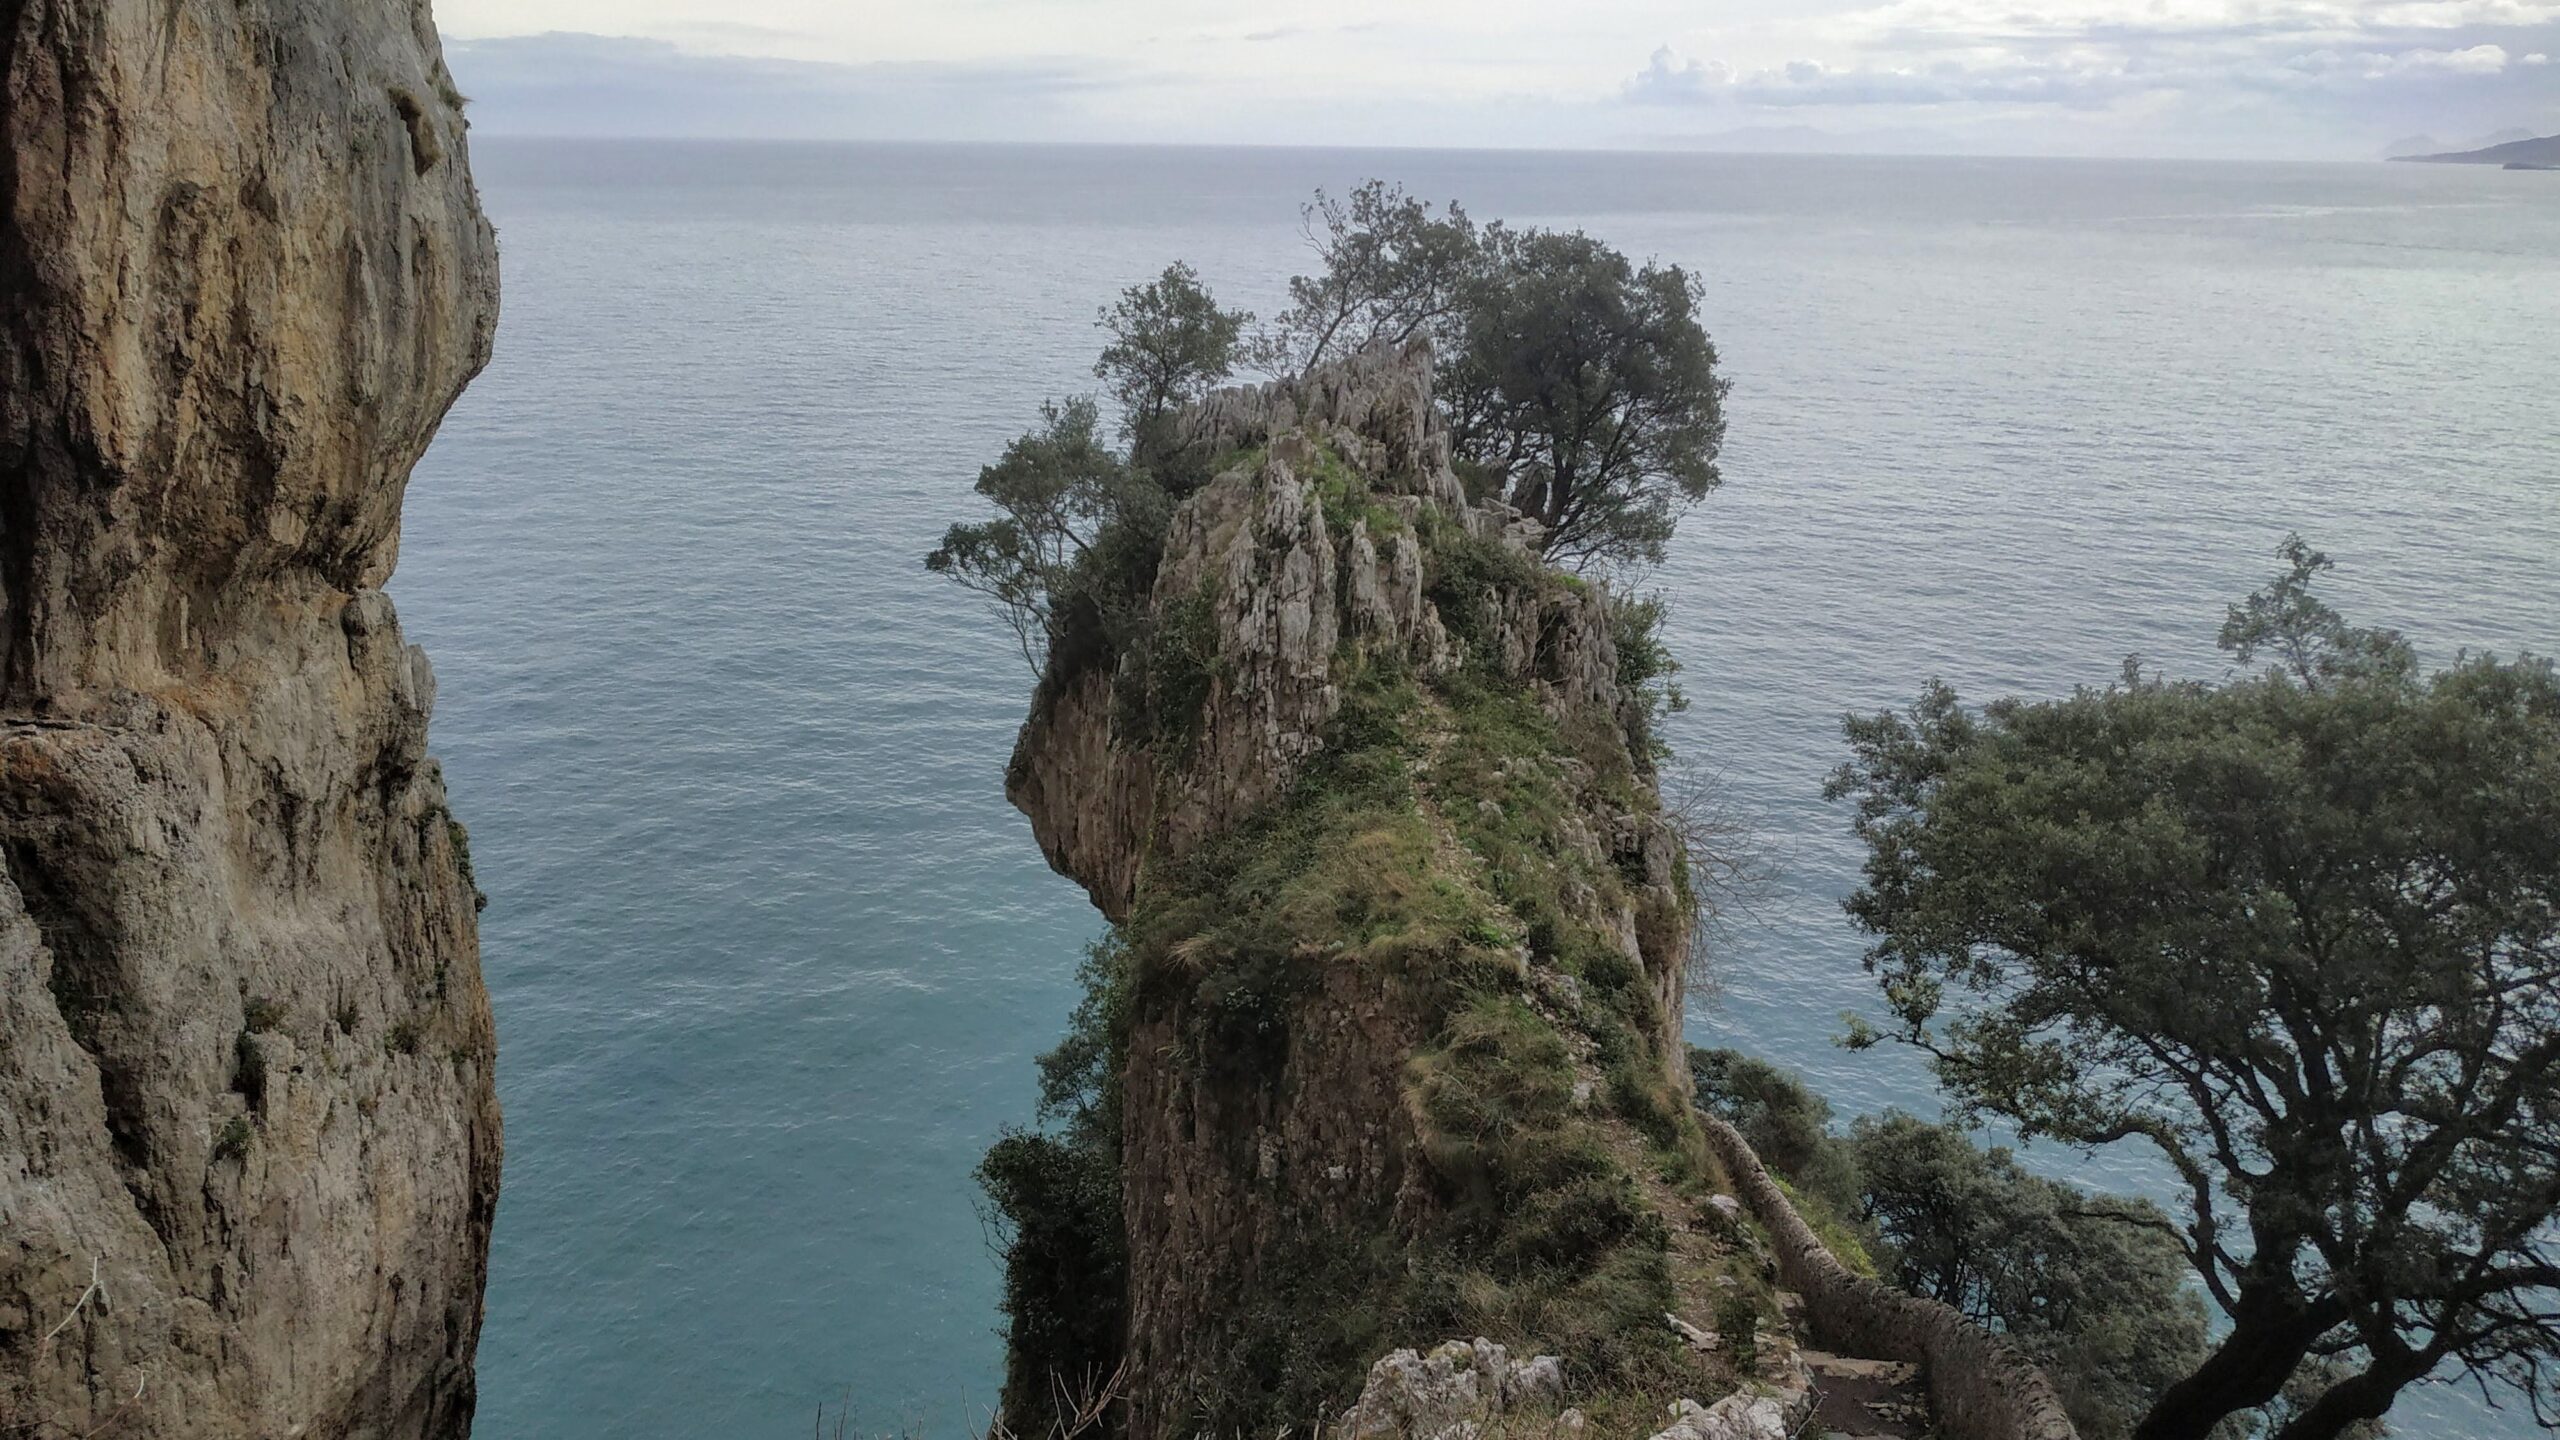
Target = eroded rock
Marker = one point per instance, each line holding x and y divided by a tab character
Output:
249	1142
1454	1393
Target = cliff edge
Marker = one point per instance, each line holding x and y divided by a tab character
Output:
1389	1043
249	1142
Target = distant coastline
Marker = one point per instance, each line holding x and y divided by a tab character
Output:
2540	153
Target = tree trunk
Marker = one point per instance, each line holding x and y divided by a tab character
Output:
2245	1371
2359	1397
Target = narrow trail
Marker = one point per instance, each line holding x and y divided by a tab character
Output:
1711	1254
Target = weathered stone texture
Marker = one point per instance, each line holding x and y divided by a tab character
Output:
245	1054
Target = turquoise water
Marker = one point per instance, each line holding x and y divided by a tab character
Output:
771	954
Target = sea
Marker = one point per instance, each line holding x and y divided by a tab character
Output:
771	956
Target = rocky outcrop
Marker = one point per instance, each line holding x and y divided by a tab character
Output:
1283	1114
249	1142
1457	1392
1287	586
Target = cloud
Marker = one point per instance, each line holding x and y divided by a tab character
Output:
2221	70
1671	80
1674	81
1947	23
2079	80
2477	60
602	85
1302	32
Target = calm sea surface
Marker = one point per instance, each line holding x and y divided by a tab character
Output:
771	955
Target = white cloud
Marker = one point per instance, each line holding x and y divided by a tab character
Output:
2255	73
2079	78
1671	80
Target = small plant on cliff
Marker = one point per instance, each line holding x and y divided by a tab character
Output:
1737	1317
2300	932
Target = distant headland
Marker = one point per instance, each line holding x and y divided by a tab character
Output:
2540	153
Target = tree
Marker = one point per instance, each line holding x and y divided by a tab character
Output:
1787	1125
1053	1210
1079	527
2300	931
1576	384
1393	270
1587	387
1061	497
2091	1286
1171	344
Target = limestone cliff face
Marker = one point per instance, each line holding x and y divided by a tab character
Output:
1291	587
245	1053
1336	542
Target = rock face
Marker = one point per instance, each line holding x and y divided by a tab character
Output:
1335	543
1288	586
249	1142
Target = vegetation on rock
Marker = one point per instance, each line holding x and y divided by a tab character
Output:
1465	860
1578	386
2086	1285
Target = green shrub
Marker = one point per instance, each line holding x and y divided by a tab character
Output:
1786	1123
1464	577
1056	1200
1737	1321
1181	665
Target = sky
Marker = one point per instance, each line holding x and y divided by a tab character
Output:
2309	79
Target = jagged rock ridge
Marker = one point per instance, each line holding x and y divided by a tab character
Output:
1334	571
249	1143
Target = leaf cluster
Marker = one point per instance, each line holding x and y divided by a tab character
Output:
1070	554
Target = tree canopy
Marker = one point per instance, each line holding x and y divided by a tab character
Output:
1171	343
1065	503
2299	931
1577	384
1585	382
1079	525
2091	1286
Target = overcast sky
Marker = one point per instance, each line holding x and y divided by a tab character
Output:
2306	78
